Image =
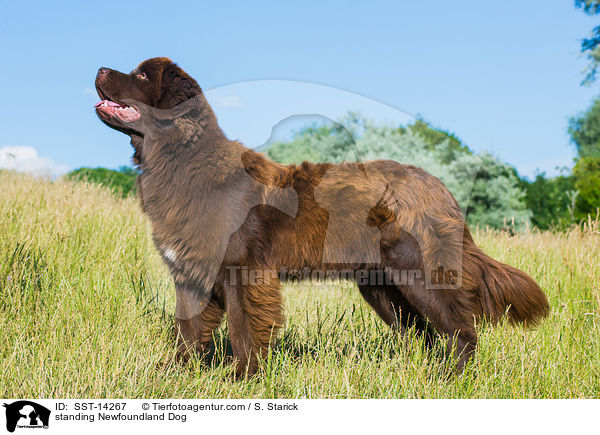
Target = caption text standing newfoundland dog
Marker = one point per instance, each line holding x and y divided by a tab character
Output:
196	187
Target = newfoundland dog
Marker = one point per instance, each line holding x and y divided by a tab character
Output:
231	225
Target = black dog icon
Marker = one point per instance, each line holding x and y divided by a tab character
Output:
31	412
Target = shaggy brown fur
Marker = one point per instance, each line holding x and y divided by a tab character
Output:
408	215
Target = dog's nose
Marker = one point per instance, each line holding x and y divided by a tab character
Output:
102	71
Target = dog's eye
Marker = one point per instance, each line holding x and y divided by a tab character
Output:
142	76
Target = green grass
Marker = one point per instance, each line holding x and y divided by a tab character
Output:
86	311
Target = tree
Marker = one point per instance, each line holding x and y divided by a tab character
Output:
587	182
495	197
585	134
585	131
591	46
435	137
550	200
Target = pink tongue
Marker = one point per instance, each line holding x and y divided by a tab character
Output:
109	103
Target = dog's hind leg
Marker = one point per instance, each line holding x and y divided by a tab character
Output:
449	310
395	311
381	299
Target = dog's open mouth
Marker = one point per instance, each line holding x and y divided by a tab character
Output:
122	112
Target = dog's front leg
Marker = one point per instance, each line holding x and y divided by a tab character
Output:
255	314
239	329
195	323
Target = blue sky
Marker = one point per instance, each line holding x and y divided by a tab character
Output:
504	76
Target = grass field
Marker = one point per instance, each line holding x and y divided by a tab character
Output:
86	311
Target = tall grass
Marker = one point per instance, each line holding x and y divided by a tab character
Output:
86	303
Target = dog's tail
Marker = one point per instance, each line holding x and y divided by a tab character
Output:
504	289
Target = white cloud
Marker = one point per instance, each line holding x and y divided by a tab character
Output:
228	101
27	159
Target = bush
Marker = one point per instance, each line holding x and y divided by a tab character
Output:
120	182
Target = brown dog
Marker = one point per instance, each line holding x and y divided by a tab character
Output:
211	200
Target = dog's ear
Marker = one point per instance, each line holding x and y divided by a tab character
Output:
176	87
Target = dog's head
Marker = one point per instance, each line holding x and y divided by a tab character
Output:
156	83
